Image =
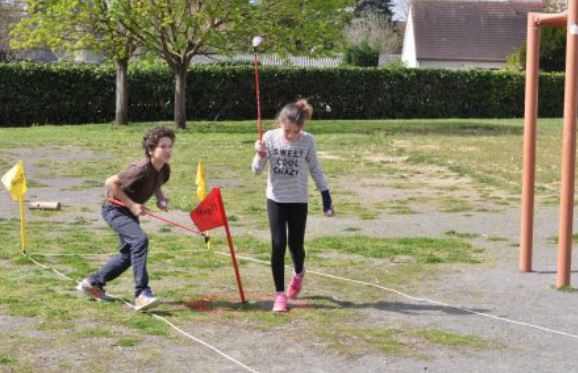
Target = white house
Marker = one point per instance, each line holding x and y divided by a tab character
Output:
464	34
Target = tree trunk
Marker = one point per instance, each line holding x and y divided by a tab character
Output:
181	97
121	110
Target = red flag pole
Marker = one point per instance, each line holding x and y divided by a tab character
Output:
231	249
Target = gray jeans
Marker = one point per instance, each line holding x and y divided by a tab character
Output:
133	250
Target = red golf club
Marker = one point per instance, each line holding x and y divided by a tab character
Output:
122	204
256	41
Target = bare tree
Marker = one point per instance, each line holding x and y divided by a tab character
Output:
375	30
381	7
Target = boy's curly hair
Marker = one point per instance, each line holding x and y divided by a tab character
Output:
153	136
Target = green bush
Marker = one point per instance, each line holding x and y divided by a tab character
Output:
552	51
33	93
362	55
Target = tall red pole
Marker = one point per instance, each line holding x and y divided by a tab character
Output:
231	249
568	149
529	167
258	97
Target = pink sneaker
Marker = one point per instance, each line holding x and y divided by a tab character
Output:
280	304
295	285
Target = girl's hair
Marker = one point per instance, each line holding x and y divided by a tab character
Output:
153	136
296	113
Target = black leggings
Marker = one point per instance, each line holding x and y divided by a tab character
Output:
285	217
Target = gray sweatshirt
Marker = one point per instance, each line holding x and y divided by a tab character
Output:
289	167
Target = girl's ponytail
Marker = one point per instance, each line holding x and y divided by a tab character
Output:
296	113
306	108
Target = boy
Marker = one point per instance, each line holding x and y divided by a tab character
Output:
134	187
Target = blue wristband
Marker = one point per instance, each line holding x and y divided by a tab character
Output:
326	200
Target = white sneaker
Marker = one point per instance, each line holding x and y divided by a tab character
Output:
92	291
145	302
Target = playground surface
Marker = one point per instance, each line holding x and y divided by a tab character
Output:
474	314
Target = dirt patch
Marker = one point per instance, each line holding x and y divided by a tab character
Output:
328	155
71	192
385	158
372	157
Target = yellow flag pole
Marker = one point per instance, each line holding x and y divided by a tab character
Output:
22	226
202	191
15	182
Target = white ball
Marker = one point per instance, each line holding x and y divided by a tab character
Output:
256	41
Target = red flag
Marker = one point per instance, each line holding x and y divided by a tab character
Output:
209	214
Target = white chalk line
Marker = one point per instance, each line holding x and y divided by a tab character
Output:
419	299
400	293
200	341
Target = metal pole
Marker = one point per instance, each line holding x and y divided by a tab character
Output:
529	167
568	150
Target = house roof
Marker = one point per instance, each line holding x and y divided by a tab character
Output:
469	30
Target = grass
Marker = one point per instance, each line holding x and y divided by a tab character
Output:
147	325
452	166
226	149
555	239
445	338
396	342
464	235
6	359
420	249
497	239
128	342
566	289
357	341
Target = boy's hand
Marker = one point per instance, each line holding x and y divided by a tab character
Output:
260	149
329	212
163	204
137	209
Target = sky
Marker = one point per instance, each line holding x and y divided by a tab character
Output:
398	12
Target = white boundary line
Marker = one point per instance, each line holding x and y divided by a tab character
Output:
419	299
153	315
400	293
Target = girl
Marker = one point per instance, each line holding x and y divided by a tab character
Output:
292	154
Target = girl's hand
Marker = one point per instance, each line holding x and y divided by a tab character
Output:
327	204
260	149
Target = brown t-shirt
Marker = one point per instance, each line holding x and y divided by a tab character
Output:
141	180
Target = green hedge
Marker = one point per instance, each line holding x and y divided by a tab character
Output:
38	94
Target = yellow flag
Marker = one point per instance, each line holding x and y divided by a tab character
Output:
202	189
15	181
201	186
